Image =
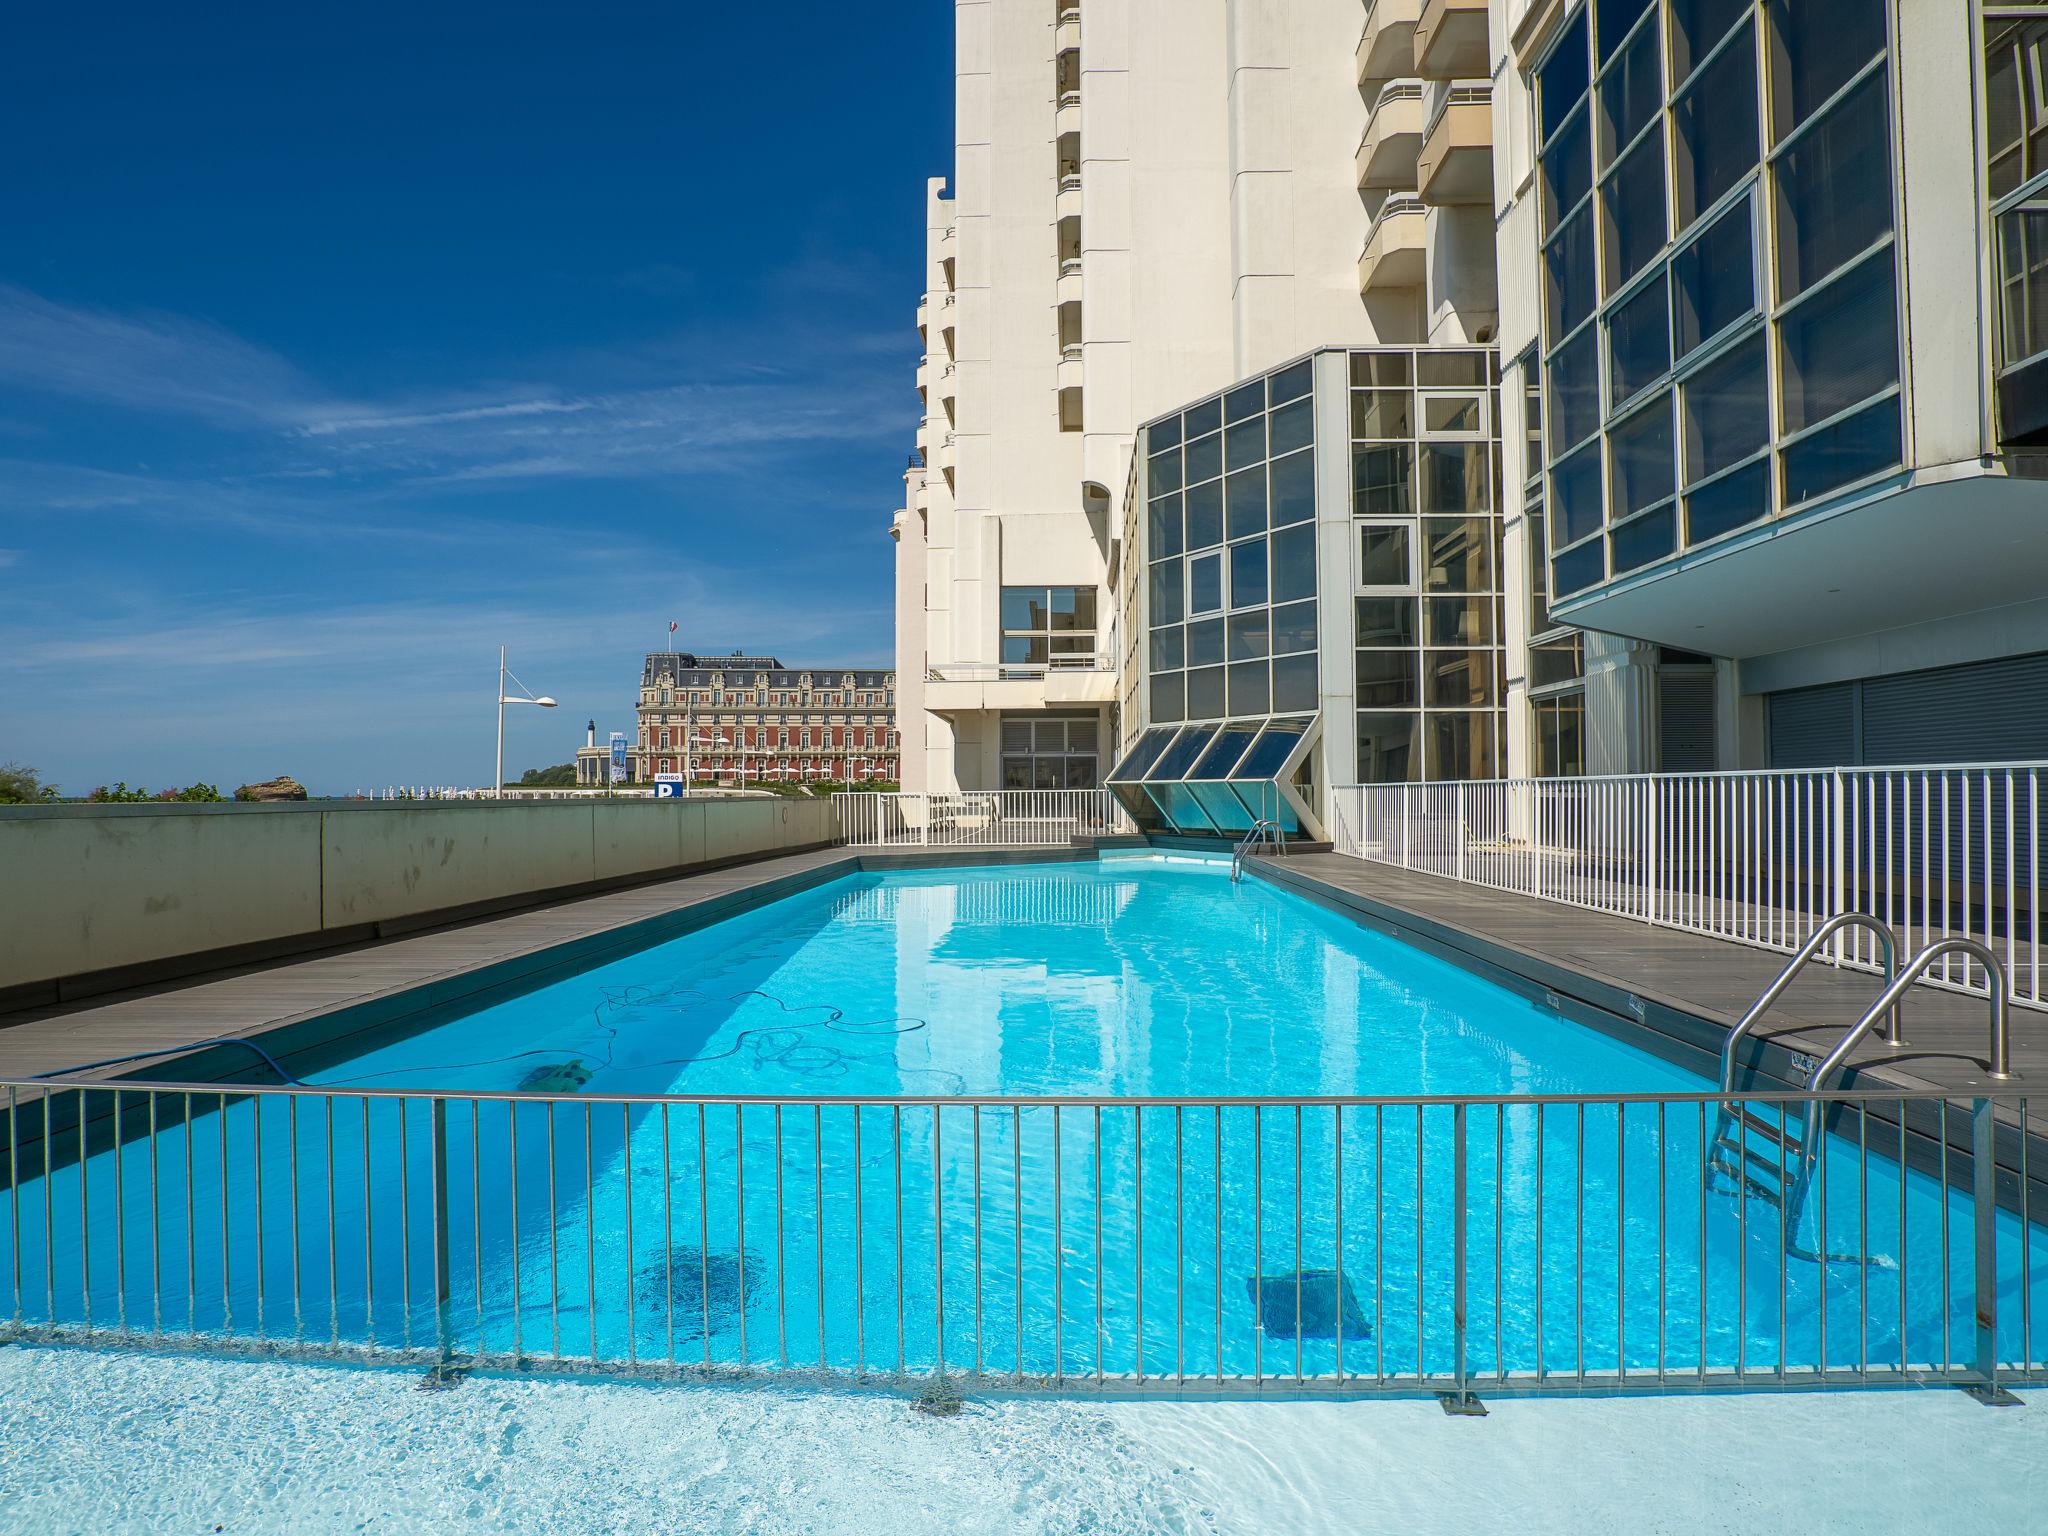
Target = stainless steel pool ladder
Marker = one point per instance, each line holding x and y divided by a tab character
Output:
1782	1174
1264	830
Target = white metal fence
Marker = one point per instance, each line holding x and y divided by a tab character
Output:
1220	1246
1007	818
1756	857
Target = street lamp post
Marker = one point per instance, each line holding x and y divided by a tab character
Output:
524	696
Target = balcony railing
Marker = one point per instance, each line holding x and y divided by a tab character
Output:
1041	818
1760	858
1013	671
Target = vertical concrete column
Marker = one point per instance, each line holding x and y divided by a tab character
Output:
1621	705
1335	630
1261	178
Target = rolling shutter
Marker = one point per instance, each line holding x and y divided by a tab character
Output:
1987	712
1685	722
1813	727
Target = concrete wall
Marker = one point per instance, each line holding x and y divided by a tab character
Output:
86	891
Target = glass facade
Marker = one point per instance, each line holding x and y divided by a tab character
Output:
1230	553
2016	175
1719	296
1426	600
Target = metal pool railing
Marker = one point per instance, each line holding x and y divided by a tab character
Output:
1937	852
1322	1246
1006	818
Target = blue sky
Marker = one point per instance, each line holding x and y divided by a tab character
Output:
340	344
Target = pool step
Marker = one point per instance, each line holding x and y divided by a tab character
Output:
1761	1159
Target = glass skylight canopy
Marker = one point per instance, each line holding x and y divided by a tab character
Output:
1216	777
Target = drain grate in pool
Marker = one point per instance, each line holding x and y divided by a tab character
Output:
713	1285
1321	1294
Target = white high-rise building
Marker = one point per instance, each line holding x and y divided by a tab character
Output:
1321	392
1151	200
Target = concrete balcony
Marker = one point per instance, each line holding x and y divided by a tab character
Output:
1456	162
965	687
1070	366
943	460
924	315
1386	45
924	375
1393	137
1396	253
949	382
1067	201
1068	288
1066	33
1450	40
1066	114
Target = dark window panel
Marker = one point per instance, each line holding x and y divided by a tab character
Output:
1568	273
1697	25
1381	414
1642	472
1248	574
1169	649
1205	514
1816	46
1251	688
1380	370
1163	472
1205	458
1639	342
1729	503
1450	370
1245	443
1456	477
1250	634
1718	138
1574	391
1383	621
1631	92
1206	417
1292	426
1632	221
1244	401
1380	485
1386	679
1294	563
1169	697
1384	556
1577	569
1841	345
1294	683
1458	621
1648	538
1835	190
1460	745
1386	748
1575	507
1726	410
1291	382
1714	279
1205	693
1462	678
1294	628
1244	502
1563	77
1457	554
1205	643
1293	489
1852	448
1163	529
1166	592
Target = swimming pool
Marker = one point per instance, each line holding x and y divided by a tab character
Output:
1123	1123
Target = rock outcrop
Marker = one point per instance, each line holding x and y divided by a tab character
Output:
283	787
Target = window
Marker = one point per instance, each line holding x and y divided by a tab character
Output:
1716	142
1726	411
1560	735
1714	280
1639	342
1385	560
1835	189
1051	625
1641	471
1057	752
1205	583
1840	346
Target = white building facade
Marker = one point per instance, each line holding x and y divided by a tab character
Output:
1448	390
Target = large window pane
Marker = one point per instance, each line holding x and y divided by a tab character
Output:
1380	485
1385	621
1461	745
1204	457
1834	190
1169	697
1632	212
1244	501
1293	489
1639	342
1729	503
1575	509
1459	620
1567	170
1292	426
1577	569
1205	643
1696	25
1163	527
1568	274
1457	554
1841	345
1455	477
1166	592
1294	628
1294	683
1205	515
1817	45
2022	283
1646	539
1564	76
1248	574
1294	563
1251	634
1856	446
1380	413
1386	748
1245	443
1714	279
1716	122
1163	471
1574	391
1169	648
2015	113
1251	688
1205	694
1205	583
1384	558
1455	678
1386	679
1642	468
1726	410
1612	20
1630	93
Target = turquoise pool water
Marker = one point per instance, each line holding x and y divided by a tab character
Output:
1227	1241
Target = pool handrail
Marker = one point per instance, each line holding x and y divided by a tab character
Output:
1999	1045
1895	1032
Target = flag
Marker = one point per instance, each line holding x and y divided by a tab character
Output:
671	626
